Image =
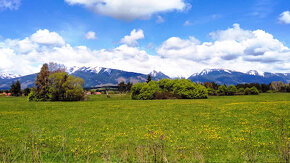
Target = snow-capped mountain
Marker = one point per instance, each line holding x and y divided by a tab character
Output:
100	76
224	76
85	69
254	72
93	77
8	76
158	75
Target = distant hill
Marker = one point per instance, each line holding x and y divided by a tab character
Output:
93	77
223	76
99	76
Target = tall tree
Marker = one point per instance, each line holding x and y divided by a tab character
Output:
15	88
149	78
42	84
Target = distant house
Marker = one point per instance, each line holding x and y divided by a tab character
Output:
98	93
89	93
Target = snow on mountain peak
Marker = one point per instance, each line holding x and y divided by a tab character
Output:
255	73
5	75
85	69
154	73
207	71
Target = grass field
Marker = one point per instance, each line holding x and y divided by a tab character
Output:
236	129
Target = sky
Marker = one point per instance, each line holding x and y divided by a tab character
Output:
176	37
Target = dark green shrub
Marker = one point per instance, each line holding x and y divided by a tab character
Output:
231	90
168	89
222	90
136	90
254	91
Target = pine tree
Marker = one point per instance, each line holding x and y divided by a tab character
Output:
148	78
17	88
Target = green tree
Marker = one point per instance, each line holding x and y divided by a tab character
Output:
15	88
73	89
149	78
56	86
122	87
136	90
42	84
222	90
247	91
148	91
231	90
64	87
254	91
26	91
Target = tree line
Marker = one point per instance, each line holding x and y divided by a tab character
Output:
168	89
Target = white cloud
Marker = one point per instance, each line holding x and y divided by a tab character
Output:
131	9
187	23
91	35
233	48
10	4
134	36
285	17
47	38
160	19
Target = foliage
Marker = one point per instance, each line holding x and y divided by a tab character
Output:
222	90
149	78
254	91
231	90
123	87
26	91
166	88
148	91
56	86
15	88
241	91
41	93
251	91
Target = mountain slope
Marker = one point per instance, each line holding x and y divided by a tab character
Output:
223	76
93	77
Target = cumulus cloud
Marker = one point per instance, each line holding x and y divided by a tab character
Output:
10	4
233	48
91	35
47	38
134	36
285	17
130	9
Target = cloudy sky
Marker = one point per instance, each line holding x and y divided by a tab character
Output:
177	37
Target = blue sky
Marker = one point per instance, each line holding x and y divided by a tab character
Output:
72	19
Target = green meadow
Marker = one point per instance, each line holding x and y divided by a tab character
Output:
229	128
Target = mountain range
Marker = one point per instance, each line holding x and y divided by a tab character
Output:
99	76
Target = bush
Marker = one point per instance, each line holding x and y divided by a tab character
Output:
136	90
241	91
222	90
251	91
254	91
211	92
231	90
167	89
